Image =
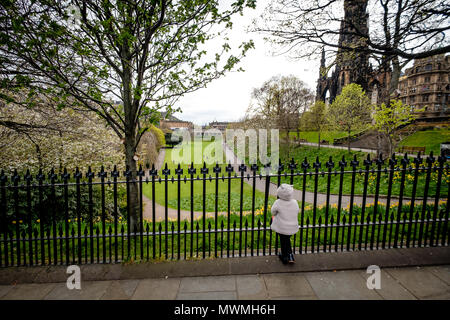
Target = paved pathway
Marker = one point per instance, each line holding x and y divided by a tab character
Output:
337	147
410	283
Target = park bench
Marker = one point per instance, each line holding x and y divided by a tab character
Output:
409	149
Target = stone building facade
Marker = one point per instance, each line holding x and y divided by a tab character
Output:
426	85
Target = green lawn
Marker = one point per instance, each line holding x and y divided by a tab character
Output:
299	153
185	188
430	139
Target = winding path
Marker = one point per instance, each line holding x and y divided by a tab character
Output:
260	185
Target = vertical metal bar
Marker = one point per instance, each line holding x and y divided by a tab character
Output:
16	179
253	168
354	163
258	236
114	175
343	233
430	161
160	239
185	239
438	231
49	246
140	174
204	170
316	166
147	230
426	228
28	179
229	169
72	232
102	175
172	228
242	169
445	228
367	163
392	163
197	228
379	162
217	170
436	199
354	232
90	175
192	171
65	177
329	165
266	198
127	174
86	245
234	236
53	201
342	165
221	239
209	238
4	208
166	172
110	243
178	172
331	233
153	173
78	176
245	237
404	162
318	234
306	235
97	238
417	161
305	166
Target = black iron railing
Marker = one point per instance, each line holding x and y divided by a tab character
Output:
86	218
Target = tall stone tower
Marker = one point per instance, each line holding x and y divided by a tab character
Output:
352	60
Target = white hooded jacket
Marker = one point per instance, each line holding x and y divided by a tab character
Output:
285	211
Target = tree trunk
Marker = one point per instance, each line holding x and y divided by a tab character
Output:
132	188
130	110
396	70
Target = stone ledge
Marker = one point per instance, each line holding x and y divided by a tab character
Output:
405	257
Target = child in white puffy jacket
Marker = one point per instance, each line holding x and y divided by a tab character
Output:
285	220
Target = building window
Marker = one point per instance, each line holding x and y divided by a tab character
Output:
413	99
413	90
426	98
427	79
428	67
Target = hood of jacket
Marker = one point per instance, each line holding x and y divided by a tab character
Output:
285	191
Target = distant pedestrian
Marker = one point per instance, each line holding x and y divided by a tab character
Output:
285	220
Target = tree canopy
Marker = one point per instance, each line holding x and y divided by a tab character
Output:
350	111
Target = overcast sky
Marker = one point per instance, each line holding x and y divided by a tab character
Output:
227	98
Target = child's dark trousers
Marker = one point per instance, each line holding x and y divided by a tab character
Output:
285	245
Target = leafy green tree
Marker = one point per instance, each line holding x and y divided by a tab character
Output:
350	111
144	53
315	118
389	118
